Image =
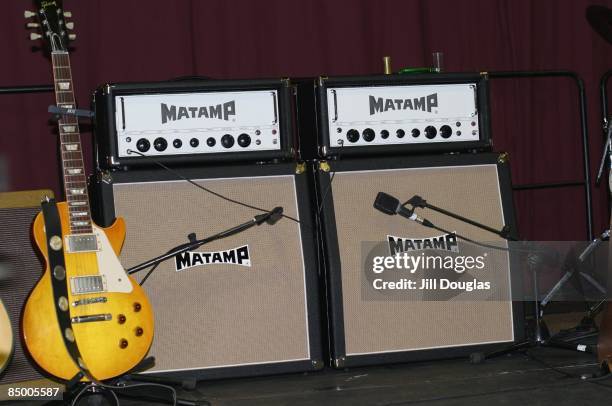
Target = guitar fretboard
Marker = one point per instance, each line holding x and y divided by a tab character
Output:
73	168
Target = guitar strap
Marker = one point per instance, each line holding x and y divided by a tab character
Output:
57	265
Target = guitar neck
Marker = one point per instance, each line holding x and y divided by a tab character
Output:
73	167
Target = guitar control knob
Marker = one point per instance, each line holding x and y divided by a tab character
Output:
400	133
368	135
384	134
177	143
352	135
446	131
227	141
244	140
415	132
34	36
211	142
160	144
194	142
430	132
143	145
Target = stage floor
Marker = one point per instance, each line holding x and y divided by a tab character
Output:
519	379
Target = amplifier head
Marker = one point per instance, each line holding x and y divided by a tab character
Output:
193	122
394	114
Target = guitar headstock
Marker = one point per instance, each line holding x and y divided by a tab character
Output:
51	24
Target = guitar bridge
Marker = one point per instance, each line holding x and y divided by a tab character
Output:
81	243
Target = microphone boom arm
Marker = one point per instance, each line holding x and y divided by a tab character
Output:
418	201
257	220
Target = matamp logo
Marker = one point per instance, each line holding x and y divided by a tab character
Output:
424	103
219	111
235	256
446	242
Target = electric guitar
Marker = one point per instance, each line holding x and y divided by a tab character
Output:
6	338
111	317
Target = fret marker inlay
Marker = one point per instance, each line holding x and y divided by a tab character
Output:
64	85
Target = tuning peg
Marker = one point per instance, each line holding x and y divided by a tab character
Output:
67	14
34	36
71	37
70	25
32	25
28	14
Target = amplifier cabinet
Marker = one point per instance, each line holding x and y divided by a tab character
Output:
394	114
18	255
372	328
187	122
248	304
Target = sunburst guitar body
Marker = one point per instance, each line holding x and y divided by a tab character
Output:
109	347
111	321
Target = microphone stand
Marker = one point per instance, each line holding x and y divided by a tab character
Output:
541	334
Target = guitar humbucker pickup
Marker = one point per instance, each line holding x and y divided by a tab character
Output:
82	243
81	285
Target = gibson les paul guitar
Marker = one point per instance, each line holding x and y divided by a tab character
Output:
110	315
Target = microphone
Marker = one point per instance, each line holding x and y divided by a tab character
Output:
391	206
270	217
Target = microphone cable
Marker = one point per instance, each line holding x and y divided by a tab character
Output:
219	195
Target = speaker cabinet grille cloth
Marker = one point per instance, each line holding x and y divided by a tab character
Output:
223	315
371	331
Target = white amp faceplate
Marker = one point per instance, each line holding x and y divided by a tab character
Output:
402	114
197	123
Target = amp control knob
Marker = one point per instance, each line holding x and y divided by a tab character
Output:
446	131
160	144
384	134
400	133
430	132
352	135
416	132
211	142
194	142
227	141
244	140
177	143
369	134
143	145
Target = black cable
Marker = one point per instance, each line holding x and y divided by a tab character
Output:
176	173
328	188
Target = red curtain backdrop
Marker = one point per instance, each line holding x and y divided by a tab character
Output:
536	121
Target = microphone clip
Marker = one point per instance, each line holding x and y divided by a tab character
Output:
417	201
